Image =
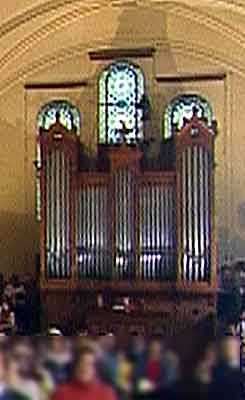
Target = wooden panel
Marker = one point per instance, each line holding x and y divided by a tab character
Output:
156	177
93	178
112	54
136	286
159	314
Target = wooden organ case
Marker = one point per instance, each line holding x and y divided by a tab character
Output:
125	247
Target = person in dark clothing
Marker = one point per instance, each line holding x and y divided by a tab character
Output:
58	361
150	372
227	379
33	308
197	386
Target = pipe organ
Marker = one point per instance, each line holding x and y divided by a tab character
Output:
127	230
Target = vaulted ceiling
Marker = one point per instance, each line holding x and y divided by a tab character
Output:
36	33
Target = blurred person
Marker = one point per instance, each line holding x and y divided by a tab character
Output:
171	364
231	330
137	348
23	376
7	317
150	373
33	308
20	309
58	358
197	386
227	375
107	362
9	293
6	392
124	377
85	385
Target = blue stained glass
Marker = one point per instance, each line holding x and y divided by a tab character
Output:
121	88
69	115
181	108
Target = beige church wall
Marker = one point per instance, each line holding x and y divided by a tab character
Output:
237	186
13	196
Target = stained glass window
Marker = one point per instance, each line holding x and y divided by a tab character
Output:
69	115
182	107
121	103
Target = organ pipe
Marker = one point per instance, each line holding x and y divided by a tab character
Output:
92	232
58	174
196	213
124	223
157	231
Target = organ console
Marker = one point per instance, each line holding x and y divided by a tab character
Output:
125	231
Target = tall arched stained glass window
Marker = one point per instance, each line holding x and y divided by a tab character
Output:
121	103
180	108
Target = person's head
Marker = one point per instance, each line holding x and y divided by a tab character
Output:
9	292
230	350
85	365
206	360
56	344
155	349
22	358
107	342
56	341
138	343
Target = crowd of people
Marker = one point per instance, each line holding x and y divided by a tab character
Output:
20	306
58	367
104	367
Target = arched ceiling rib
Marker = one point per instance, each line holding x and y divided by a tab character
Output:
178	47
36	9
70	16
58	14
